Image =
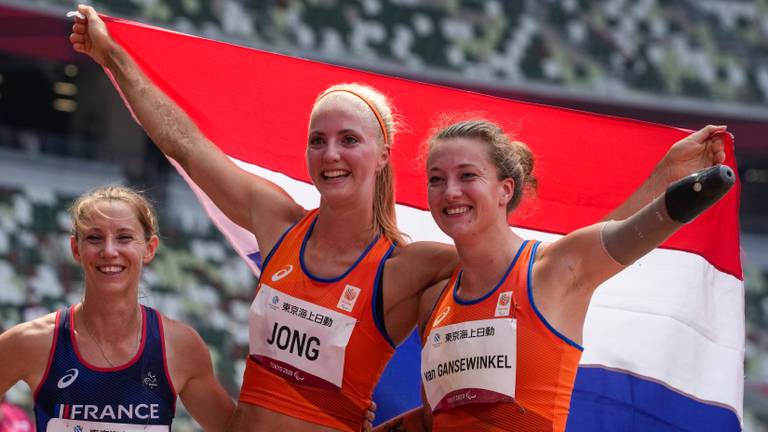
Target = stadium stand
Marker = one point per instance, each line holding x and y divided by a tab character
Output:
712	50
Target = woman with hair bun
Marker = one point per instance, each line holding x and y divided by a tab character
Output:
501	340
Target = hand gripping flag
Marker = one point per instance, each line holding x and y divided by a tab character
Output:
664	340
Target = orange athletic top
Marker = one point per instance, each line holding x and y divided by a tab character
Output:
286	385
546	360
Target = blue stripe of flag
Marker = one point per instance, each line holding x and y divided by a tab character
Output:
605	400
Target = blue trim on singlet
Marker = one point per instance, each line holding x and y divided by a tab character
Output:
533	303
343	275
485	296
377	318
274	248
126	394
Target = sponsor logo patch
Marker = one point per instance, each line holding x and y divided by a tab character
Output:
348	298
503	303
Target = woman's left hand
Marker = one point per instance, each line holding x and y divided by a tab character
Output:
701	149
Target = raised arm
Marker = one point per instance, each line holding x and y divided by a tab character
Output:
568	271
701	149
250	201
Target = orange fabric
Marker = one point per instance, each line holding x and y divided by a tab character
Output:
366	355
546	363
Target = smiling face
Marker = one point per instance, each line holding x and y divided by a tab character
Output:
464	192
344	150
111	246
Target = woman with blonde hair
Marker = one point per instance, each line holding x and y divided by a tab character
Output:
109	362
339	288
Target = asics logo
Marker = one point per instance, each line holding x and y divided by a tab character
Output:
441	316
68	379
283	272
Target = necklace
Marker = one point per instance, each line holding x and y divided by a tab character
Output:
98	345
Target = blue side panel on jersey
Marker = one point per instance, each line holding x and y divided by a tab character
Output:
399	389
605	400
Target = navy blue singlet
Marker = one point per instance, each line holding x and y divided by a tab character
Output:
75	396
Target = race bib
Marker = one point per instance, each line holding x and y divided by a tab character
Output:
300	341
470	362
66	425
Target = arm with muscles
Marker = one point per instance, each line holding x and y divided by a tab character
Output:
567	272
419	419
250	201
189	364
701	149
683	201
412	270
24	351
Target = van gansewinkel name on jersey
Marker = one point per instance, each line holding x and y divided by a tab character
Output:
494	361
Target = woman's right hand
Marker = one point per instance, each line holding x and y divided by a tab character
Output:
254	203
90	35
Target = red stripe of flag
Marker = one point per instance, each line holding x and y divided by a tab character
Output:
255	106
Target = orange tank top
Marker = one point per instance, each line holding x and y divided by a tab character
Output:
479	359
317	347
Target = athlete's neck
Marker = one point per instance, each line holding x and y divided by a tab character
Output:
343	229
337	240
484	260
109	320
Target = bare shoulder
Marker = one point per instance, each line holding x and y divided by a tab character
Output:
424	250
416	266
577	261
572	248
544	253
181	338
24	351
424	259
31	337
553	262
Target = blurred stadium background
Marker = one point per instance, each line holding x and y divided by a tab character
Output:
63	128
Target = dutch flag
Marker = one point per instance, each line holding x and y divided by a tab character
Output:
664	340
